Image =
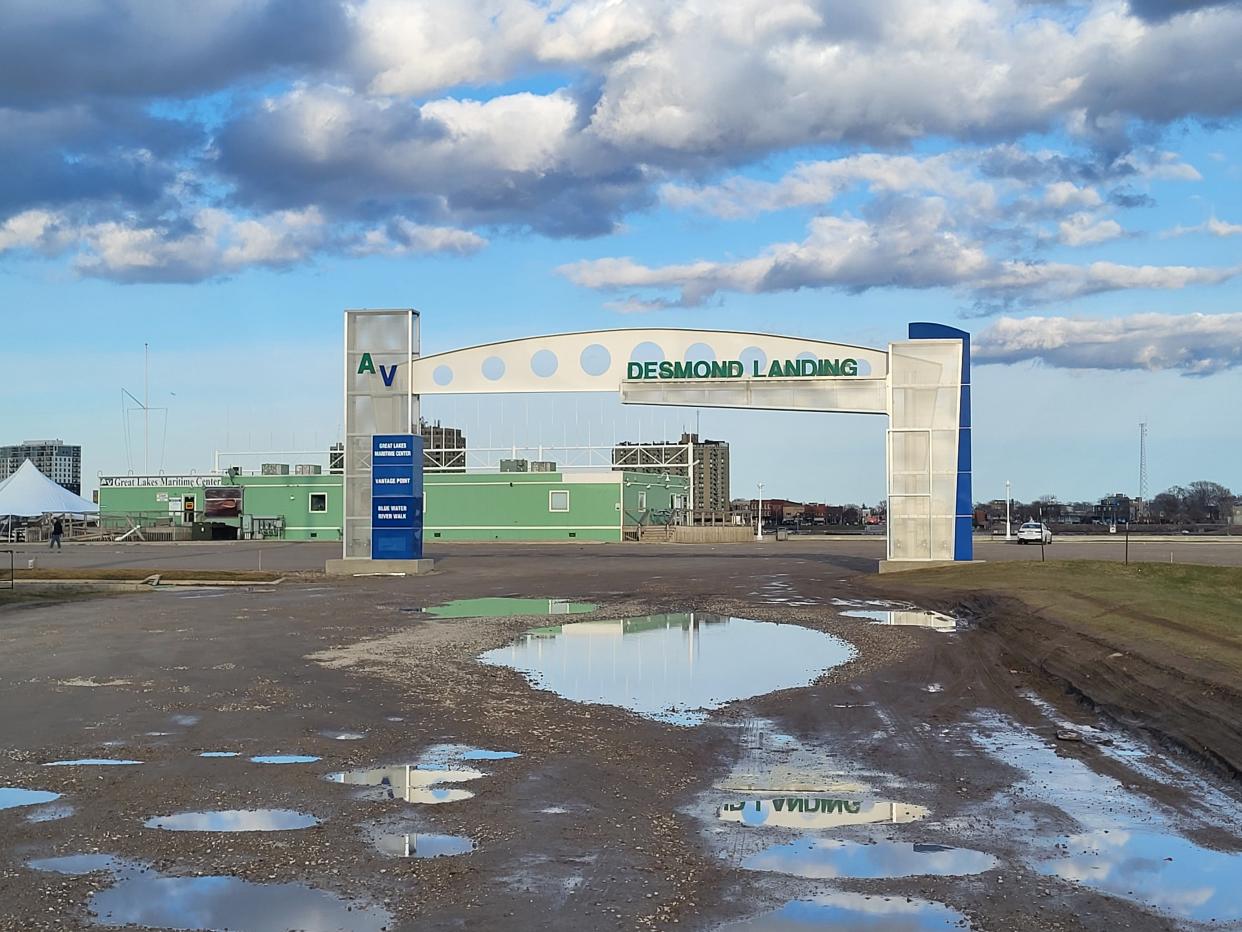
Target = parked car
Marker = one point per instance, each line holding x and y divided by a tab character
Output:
1034	532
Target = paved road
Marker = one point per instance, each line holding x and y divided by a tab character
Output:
859	555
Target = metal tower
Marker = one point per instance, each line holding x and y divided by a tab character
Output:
1143	462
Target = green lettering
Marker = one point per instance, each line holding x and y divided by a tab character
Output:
806	366
702	369
649	370
853	807
720	370
735	369
791	368
681	370
365	364
666	370
849	367
634	370
829	367
774	370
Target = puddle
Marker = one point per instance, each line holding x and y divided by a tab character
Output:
501	608
440	754
853	911
826	857
1160	870
343	735
93	762
51	814
13	796
671	667
219	754
233	820
921	619
402	845
185	721
1125	845
554	810
284	759
78	864
410	782
814	812
141	896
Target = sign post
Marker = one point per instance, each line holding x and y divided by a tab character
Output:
396	497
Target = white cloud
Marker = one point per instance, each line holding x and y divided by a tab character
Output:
213	242
1086	229
1211	226
913	243
1193	344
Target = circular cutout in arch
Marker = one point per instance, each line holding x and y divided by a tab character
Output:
700	351
864	367
647	352
808	355
442	375
493	368
544	364
595	360
753	358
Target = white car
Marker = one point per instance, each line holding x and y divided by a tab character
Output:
1034	532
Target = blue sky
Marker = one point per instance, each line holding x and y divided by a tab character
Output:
1063	181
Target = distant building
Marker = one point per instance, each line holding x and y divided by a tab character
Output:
445	447
336	459
59	461
709	467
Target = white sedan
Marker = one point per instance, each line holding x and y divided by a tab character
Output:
1034	532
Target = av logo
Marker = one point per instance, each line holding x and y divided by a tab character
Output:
365	364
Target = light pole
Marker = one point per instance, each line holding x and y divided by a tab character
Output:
1008	500
759	516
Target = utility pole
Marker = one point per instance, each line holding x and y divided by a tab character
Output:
759	516
146	406
1008	500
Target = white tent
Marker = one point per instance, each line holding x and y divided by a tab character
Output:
28	493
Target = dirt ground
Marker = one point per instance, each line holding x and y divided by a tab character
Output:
607	820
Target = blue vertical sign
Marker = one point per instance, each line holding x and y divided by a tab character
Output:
396	497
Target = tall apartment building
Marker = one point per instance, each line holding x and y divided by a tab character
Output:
445	446
59	461
709	468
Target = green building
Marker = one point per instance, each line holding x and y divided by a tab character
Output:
519	506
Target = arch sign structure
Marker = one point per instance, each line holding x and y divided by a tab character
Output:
921	383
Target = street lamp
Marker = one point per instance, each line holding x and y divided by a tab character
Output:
1008	500
759	516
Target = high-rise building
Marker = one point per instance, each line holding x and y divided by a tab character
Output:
444	447
59	461
709	466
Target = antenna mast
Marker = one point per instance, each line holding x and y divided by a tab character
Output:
1143	462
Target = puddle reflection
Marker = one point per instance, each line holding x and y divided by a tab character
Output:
920	619
853	911
143	897
502	608
421	845
826	857
410	782
284	759
1164	871
233	820
13	796
812	812
51	813
671	667
93	762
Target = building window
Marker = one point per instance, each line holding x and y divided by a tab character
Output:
558	500
318	502
642	501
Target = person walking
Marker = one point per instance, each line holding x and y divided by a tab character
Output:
58	529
